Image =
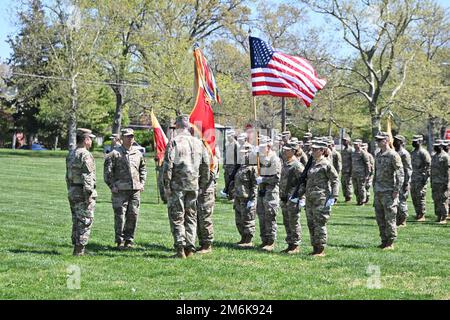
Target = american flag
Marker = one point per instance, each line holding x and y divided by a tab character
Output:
278	74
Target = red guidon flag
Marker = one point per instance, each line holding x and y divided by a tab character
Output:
159	138
202	116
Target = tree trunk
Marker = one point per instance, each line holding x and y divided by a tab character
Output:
376	127
117	122
72	120
283	114
14	141
430	128
56	142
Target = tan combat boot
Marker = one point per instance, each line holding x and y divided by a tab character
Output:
188	252
389	246
269	246
120	246
443	220
320	251
205	248
420	218
289	248
246	242
180	253
78	250
294	250
128	244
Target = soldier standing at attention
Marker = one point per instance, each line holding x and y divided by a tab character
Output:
245	198
205	208
230	156
290	174
299	153
388	182
125	174
268	193
399	145
80	179
186	170
365	148
346	179
421	164
321	191
440	181
360	172
336	156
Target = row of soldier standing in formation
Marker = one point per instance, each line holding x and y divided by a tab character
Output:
300	174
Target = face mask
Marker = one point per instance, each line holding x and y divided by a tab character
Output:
437	149
415	144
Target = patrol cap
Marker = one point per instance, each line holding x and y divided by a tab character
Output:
183	121
114	136
364	145
264	141
357	142
307	135
417	137
127	132
83	132
400	138
307	144
231	133
439	142
247	147
382	135
285	133
290	146
242	136
346	137
317	144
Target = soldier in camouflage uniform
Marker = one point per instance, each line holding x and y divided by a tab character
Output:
231	152
402	213
346	179
421	164
125	174
360	172
245	198
440	181
336	156
159	179
80	179
205	208
365	148
321	191
186	170
290	173
268	193
388	182
299	153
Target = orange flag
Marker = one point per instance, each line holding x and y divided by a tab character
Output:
159	138
202	116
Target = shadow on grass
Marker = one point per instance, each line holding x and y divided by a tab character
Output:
52	252
351	224
352	246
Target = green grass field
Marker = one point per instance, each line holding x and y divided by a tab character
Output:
35	250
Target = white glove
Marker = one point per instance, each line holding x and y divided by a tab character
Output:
223	194
330	202
250	204
259	180
302	203
294	200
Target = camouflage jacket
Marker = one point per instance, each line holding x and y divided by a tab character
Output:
290	174
245	182
270	170
125	169
407	167
231	153
302	157
440	168
322	180
346	155
360	164
337	160
213	175
388	171
421	165
80	171
186	163
372	164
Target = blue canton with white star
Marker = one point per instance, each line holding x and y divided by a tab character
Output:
260	53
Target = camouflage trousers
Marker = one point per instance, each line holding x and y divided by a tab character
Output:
402	211
346	182
267	207
291	221
244	217
161	184
205	209
228	169
182	209
126	205
368	186
386	215
440	194
317	215
359	184
418	195
82	216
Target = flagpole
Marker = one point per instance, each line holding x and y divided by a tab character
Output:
156	162
253	102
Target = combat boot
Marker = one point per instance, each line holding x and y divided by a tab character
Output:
128	244
269	246
205	248
120	246
443	220
314	251
294	249
289	248
382	245
180	253
246	242
389	246
420	218
188	252
320	251
241	241
78	250
348	199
